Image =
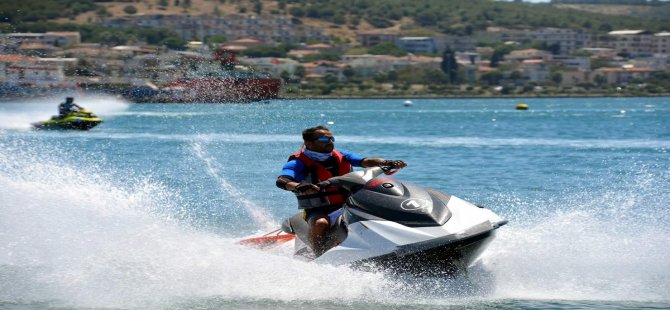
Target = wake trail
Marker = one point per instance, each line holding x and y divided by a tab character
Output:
259	215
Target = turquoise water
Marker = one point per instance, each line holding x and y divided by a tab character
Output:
144	210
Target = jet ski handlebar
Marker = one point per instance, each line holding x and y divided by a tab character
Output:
390	167
352	179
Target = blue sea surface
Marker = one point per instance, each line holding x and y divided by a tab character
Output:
144	211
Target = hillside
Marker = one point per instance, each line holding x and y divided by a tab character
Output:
459	17
640	11
344	18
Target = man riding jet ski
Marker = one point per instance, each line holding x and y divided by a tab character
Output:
393	225
70	116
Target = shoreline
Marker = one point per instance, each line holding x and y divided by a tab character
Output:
478	97
399	97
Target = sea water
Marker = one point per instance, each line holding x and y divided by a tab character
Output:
144	211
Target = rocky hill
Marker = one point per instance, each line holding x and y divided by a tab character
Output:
641	11
344	18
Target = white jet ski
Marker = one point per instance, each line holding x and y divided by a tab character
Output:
393	226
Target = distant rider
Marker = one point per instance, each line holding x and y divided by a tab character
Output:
67	107
318	161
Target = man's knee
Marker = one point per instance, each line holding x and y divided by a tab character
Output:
321	224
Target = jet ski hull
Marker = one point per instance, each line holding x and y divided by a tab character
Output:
69	123
443	256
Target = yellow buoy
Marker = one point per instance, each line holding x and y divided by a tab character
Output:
522	106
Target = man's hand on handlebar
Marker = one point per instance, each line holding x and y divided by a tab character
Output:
395	164
391	166
307	188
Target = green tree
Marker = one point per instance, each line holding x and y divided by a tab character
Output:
285	76
392	76
499	54
82	68
491	78
553	48
380	77
449	66
599	63
557	78
300	72
433	76
258	7
386	48
327	89
265	51
605	27
174	43
129	9
215	40
102	12
113	37
348	72
426	19
339	19
297	11
322	56
378	22
516	75
330	79
496	58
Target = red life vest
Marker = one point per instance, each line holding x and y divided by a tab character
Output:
315	172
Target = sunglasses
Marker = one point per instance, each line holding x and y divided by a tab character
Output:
325	139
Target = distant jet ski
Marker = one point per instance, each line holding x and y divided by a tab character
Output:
77	120
387	224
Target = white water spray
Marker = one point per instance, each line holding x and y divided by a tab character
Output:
70	236
600	245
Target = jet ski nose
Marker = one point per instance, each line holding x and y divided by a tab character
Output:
499	224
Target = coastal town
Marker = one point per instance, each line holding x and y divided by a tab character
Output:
285	58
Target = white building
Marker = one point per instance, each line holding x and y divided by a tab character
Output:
632	42
536	70
55	38
37	74
575	62
567	39
268	28
417	45
625	75
602	52
272	65
374	37
455	43
528	54
661	43
469	57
